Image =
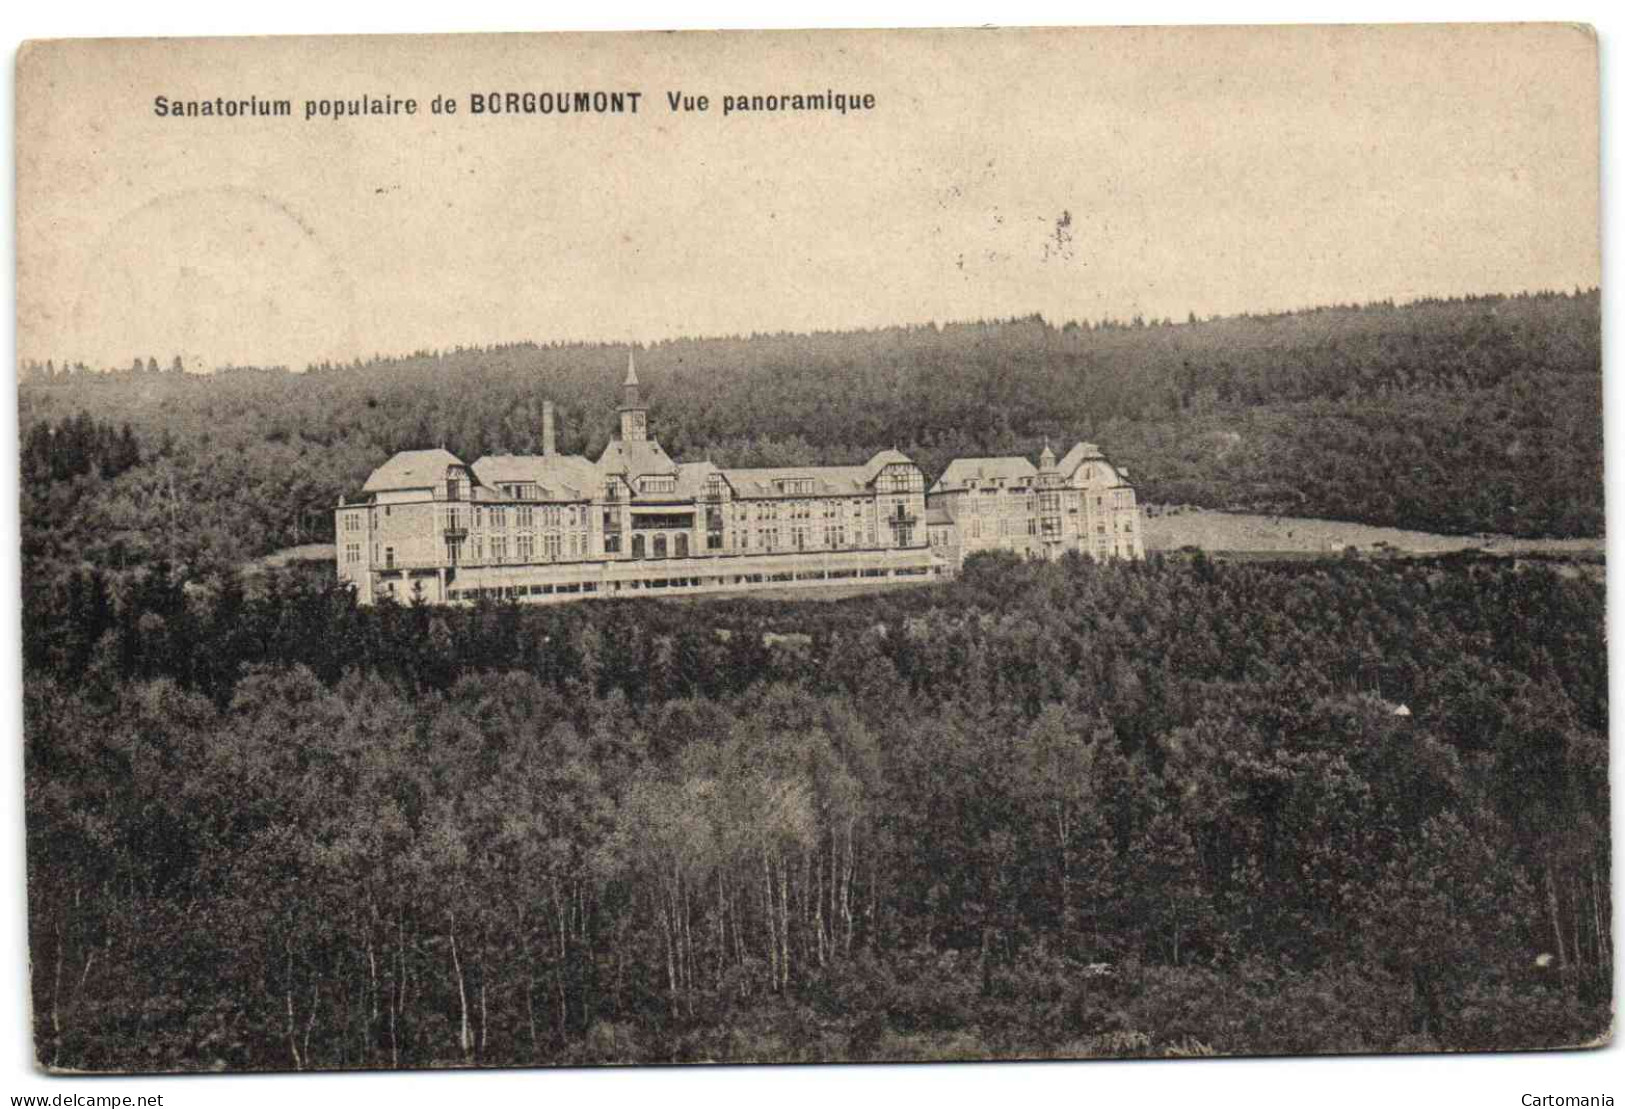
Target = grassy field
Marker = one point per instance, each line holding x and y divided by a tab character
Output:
308	552
1297	537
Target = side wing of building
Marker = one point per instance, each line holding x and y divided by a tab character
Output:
1111	524
1081	503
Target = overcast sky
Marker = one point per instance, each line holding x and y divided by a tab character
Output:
1077	174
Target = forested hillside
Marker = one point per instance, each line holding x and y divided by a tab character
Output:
1456	416
1045	810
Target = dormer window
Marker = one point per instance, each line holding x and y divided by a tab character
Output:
900	479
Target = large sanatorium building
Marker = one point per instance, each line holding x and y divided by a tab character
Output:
553	527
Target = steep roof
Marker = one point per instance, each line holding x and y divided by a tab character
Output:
1088	452
872	468
560	477
827	480
1077	456
963	470
641	456
936	515
411	470
691	478
760	481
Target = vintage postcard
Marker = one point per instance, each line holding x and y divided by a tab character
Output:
812	547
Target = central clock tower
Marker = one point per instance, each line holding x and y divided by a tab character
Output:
634	416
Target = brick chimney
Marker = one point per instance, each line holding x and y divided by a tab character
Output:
549	442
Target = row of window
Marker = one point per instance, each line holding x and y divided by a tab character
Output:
500	517
802	537
553	547
1049	526
794	510
525	516
1046	503
504	517
524	490
770	538
658	547
996	486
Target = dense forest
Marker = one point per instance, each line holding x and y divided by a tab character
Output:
1044	810
1459	416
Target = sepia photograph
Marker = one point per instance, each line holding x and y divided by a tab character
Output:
561	550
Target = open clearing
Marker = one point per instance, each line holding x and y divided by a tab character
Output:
1293	535
308	552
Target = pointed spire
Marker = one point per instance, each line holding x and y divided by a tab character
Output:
634	422
1046	460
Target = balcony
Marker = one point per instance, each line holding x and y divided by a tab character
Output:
456	531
